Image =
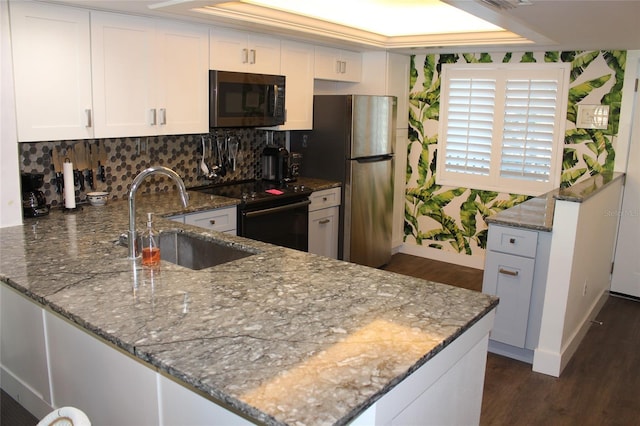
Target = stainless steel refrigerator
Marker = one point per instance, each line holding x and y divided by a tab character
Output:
352	142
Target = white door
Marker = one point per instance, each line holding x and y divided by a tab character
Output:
626	272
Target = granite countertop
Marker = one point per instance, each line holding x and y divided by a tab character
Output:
537	213
282	336
582	191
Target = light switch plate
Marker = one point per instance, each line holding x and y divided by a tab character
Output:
592	117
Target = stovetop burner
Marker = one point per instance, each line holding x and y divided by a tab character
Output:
257	191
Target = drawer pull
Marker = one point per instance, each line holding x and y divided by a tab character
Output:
508	272
512	240
324	198
324	221
212	221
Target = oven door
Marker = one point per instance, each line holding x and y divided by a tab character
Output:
284	225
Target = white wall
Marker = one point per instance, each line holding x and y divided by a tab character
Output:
579	275
10	196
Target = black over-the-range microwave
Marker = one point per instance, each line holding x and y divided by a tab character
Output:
239	99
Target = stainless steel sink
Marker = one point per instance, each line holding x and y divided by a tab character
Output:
196	252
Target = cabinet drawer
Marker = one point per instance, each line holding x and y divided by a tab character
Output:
324	198
510	240
221	220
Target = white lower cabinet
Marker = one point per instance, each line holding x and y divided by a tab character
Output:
109	386
515	270
324	222
23	355
221	220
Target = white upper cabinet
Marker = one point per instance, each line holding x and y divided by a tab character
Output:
150	77
337	64
239	51
183	90
296	64
52	71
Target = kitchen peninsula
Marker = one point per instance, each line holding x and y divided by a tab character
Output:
278	337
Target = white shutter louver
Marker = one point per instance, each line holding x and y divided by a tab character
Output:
469	125
528	133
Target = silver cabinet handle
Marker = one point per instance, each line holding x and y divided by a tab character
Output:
245	56
163	116
343	67
338	66
88	118
152	116
253	56
508	272
324	221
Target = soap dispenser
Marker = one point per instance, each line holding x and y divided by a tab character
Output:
149	244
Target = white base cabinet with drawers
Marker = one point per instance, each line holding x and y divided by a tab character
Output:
324	220
515	270
222	220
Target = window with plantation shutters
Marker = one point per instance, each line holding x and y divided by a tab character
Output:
502	126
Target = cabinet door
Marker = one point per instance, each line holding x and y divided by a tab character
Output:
351	68
23	351
111	388
182	92
228	50
296	64
264	54
52	71
338	65
243	52
510	278
123	75
323	232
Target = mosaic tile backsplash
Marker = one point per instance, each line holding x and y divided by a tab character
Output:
182	153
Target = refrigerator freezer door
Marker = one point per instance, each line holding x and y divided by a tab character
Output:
368	215
373	122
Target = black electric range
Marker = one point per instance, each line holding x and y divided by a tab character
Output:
269	212
258	193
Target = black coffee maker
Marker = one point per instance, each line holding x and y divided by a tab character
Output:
275	164
34	204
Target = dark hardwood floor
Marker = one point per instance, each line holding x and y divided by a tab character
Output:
599	386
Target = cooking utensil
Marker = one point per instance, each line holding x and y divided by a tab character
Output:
92	164
220	142
203	165
101	155
82	164
233	151
57	166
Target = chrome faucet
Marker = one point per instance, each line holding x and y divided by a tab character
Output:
132	199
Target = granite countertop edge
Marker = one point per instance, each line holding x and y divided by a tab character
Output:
537	212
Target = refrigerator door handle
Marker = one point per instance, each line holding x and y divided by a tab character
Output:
374	158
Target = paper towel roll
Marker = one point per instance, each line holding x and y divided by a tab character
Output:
69	185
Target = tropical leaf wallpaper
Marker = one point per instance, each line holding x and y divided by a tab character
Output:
452	219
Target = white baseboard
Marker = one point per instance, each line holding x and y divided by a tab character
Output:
476	262
552	363
24	395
